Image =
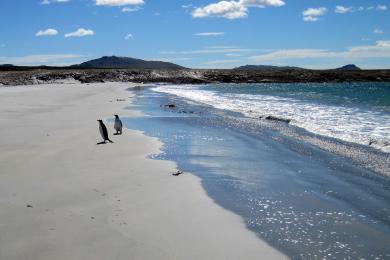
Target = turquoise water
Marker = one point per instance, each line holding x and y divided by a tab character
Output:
303	199
353	112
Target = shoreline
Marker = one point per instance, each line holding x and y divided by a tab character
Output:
373	156
67	198
303	200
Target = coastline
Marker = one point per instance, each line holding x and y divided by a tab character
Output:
64	197
308	201
45	75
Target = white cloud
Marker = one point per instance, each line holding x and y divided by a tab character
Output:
216	62
129	37
44	59
343	10
381	49
171	59
48	32
378	31
233	55
217	50
168	52
262	3
131	9
384	44
210	34
229	10
291	54
212	50
47	2
81	32
119	2
233	9
222	64
313	14
223	47
378	8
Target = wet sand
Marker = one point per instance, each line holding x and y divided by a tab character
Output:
64	197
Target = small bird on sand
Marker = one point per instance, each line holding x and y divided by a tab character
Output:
103	132
118	125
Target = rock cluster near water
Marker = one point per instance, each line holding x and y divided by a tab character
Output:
189	76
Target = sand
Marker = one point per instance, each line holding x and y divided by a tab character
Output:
64	197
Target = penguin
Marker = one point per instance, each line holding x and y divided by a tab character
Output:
103	132
118	125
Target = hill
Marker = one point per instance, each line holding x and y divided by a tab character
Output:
114	62
349	67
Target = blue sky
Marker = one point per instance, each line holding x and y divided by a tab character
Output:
198	34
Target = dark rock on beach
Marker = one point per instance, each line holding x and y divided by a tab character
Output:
278	119
178	173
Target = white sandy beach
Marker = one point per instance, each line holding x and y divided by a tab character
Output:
107	201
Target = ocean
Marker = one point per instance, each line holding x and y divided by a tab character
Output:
354	112
316	188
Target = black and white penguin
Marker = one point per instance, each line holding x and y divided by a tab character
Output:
103	132
118	125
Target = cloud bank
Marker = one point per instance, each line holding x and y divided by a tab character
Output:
381	49
45	59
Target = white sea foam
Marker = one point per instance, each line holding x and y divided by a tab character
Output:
352	124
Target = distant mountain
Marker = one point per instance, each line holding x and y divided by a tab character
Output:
266	68
349	67
114	62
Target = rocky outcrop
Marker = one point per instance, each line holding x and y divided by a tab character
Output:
186	76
